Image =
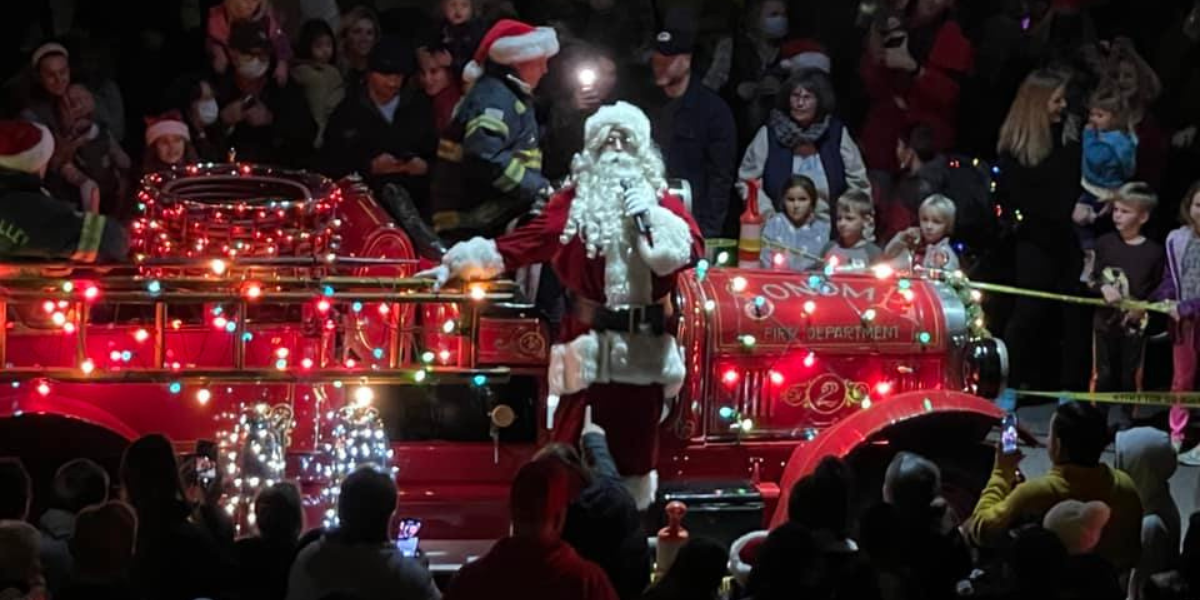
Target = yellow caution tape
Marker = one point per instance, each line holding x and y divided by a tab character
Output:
1159	307
1144	398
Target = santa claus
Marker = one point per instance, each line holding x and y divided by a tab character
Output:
618	242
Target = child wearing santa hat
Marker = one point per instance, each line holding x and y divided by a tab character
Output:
168	143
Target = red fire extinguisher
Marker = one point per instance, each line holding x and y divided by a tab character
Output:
750	236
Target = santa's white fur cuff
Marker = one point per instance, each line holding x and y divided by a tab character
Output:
476	258
672	237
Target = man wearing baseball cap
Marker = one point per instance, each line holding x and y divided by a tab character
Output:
489	167
35	225
693	126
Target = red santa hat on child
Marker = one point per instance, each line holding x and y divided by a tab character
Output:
509	42
25	146
170	123
803	54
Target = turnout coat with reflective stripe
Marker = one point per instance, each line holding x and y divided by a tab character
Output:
34	225
489	167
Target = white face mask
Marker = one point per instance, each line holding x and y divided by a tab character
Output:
775	27
253	68
207	110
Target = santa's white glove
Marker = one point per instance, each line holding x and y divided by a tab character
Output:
638	200
439	274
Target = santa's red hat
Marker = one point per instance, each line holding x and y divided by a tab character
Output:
25	146
509	42
170	123
803	54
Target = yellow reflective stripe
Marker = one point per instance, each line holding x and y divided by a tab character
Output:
487	122
451	151
512	176
89	238
443	221
520	107
532	158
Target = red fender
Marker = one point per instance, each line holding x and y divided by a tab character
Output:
67	408
849	433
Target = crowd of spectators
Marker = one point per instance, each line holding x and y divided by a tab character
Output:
1047	144
1083	529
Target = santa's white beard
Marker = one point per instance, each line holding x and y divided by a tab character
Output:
598	211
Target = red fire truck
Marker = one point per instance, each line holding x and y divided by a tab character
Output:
285	298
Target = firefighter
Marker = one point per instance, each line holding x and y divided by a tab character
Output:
35	225
489	168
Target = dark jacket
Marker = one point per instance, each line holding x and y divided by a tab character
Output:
34	225
1045	195
170	549
699	144
358	132
489	167
604	526
287	140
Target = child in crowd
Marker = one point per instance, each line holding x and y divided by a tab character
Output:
1181	283
792	239
461	32
220	23
439	84
1109	160
98	165
855	246
1128	266
929	244
317	74
168	143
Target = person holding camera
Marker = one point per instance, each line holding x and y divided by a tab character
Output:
912	69
263	120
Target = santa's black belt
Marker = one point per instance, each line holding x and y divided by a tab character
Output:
634	319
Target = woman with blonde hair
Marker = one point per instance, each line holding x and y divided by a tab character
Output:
1039	178
358	34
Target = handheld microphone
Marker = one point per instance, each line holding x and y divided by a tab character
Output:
639	219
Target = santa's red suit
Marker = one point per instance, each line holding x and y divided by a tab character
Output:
624	373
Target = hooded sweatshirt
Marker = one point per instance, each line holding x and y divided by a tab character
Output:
531	570
1004	504
1146	454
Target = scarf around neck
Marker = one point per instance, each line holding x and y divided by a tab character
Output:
791	134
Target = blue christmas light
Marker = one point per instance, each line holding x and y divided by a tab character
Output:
154	287
231	326
175	387
726	412
924	337
479	380
217	310
814	281
760	301
356	307
904	284
247	336
377	353
126	356
281	364
327	290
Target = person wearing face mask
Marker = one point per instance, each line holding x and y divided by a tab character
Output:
263	120
384	129
755	51
193	97
695	129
